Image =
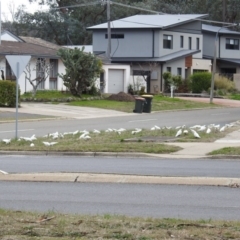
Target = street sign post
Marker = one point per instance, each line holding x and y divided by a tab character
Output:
17	64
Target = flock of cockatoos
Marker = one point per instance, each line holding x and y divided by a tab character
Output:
181	130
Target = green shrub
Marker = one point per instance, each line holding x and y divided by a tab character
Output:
223	83
8	93
180	84
94	91
185	86
167	76
142	90
201	81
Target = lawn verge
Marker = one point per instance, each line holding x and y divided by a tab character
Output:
52	225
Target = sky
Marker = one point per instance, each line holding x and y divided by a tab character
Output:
5	12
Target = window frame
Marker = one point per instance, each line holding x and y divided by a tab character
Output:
115	36
190	43
169	69
167	43
197	43
179	71
181	41
227	45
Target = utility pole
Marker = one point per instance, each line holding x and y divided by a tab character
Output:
109	30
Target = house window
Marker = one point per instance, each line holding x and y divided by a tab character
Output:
181	41
53	74
115	35
167	41
179	72
190	43
232	43
169	69
197	43
40	73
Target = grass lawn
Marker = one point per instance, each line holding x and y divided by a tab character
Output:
234	96
159	103
146	141
51	226
226	151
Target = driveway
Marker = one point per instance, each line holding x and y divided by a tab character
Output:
62	110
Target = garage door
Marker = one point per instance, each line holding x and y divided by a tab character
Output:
115	81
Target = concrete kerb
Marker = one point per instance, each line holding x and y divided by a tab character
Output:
118	178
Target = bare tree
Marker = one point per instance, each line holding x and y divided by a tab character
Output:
42	70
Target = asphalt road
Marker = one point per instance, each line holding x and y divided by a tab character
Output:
186	202
134	166
171	118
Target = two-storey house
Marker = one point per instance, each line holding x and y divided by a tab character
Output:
227	51
152	45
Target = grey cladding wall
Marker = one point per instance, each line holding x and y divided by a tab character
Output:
192	27
136	43
208	44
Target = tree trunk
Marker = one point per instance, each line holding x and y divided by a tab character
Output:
34	91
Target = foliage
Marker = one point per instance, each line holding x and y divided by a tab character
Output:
223	83
142	90
94	91
171	80
167	76
201	81
8	93
82	69
185	86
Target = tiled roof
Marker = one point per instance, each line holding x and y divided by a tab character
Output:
23	48
41	42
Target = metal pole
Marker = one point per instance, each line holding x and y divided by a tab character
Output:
213	69
16	135
109	30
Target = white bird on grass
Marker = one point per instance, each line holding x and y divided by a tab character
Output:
7	141
185	131
109	130
84	136
196	135
121	130
137	130
48	144
208	130
202	128
179	132
29	139
157	127
32	145
76	132
96	131
222	129
196	126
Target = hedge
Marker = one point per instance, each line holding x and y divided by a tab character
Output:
201	81
8	94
